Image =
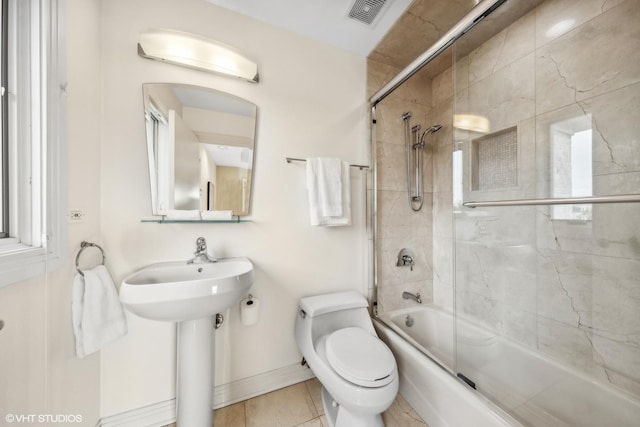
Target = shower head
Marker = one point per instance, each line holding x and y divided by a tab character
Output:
432	129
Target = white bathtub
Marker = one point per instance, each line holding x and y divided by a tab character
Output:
532	388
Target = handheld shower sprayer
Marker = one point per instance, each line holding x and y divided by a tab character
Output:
432	129
416	163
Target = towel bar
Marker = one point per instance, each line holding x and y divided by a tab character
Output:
83	246
293	159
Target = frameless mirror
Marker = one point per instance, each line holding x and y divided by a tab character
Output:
201	145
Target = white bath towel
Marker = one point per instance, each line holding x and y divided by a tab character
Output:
329	188
97	314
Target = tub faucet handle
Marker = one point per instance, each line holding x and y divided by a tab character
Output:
405	258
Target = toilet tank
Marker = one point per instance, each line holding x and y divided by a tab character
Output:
327	303
327	313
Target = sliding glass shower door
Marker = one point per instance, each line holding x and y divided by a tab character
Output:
546	116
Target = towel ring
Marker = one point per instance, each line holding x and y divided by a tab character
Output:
83	246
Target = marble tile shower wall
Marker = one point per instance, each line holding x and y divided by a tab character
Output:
566	288
398	226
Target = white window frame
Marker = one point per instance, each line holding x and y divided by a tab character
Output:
37	162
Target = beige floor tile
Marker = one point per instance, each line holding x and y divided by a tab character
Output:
300	405
401	414
315	390
316	422
389	421
286	407
230	416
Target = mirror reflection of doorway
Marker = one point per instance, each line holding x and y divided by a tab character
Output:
211	196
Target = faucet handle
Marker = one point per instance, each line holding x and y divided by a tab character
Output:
405	257
201	244
407	260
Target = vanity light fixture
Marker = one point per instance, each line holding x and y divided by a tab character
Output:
471	122
193	51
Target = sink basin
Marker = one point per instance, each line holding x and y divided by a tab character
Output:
177	291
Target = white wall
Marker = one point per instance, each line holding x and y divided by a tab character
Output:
311	102
73	384
39	371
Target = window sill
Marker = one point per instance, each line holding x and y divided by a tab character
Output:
20	262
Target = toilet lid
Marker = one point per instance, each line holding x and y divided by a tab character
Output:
360	357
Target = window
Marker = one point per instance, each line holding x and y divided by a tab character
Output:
32	163
571	166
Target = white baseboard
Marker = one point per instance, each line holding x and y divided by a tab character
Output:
163	413
237	391
156	415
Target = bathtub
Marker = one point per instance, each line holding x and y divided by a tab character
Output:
528	386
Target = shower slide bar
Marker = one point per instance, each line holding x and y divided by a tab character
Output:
477	14
293	159
623	198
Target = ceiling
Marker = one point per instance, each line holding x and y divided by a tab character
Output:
326	21
401	32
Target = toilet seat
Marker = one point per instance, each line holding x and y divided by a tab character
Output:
360	357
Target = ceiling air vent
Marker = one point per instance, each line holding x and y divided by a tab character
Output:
366	10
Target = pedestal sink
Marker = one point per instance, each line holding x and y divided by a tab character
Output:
191	295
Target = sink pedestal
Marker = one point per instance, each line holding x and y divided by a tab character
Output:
195	373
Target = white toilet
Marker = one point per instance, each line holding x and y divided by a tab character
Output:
357	370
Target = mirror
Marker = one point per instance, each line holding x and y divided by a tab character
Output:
201	146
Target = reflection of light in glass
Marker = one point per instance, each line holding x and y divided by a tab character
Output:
457	178
560	28
197	52
471	122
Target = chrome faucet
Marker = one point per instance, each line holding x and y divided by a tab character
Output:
201	255
409	295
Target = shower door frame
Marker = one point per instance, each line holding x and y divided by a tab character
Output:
477	14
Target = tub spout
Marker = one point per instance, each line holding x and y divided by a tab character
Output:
409	295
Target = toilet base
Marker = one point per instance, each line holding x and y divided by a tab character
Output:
339	416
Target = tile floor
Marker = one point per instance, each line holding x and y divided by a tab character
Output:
300	405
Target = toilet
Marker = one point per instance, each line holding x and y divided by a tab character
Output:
357	370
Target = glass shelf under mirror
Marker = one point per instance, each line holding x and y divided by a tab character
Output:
195	221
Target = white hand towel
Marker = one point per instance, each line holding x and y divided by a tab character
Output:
329	188
97	314
183	215
216	215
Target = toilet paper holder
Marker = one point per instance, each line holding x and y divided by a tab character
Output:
249	310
